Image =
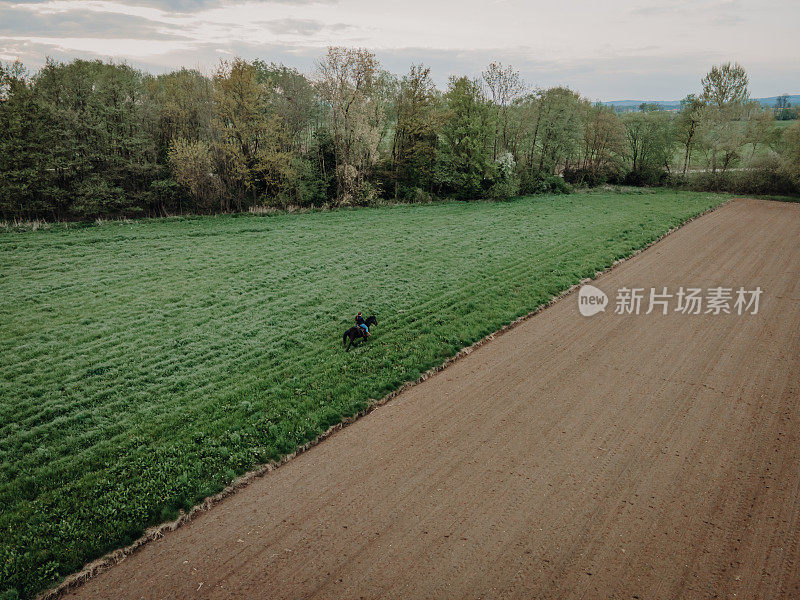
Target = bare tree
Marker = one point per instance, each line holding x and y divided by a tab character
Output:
505	86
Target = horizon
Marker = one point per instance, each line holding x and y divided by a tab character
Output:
653	53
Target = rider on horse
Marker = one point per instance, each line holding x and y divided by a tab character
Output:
361	323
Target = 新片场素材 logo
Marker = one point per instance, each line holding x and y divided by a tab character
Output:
687	301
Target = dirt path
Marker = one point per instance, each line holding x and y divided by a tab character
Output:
615	456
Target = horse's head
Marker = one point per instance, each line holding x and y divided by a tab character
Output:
371	320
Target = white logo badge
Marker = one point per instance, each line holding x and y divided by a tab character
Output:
591	300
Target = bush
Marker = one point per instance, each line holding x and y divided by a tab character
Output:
415	195
310	186
505	181
542	183
584	177
765	177
95	197
647	176
592	177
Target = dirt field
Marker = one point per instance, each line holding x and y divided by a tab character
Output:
614	456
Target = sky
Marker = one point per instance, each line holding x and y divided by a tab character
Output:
607	50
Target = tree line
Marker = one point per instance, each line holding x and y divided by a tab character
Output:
89	139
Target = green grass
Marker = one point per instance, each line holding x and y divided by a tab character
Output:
146	365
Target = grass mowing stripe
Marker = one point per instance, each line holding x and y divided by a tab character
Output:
147	364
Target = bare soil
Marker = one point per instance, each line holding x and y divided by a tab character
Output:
613	456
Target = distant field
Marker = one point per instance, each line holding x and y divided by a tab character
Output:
146	365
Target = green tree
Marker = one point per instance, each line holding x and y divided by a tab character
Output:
294	100
415	134
790	154
466	134
725	85
347	82
27	150
650	140
760	130
194	167
505	86
603	142
252	148
725	94
183	104
688	125
104	154
559	128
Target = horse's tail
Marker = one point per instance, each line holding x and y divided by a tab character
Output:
344	340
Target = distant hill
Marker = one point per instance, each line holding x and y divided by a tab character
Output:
625	105
795	99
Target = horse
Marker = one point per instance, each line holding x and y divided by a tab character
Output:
357	332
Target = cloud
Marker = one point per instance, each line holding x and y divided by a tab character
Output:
607	50
168	6
295	26
722	13
669	76
18	21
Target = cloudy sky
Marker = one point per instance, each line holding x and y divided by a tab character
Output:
608	50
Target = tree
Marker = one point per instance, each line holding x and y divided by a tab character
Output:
251	146
650	142
415	136
505	86
103	153
725	85
648	107
294	100
760	129
345	80
784	110
560	128
603	139
466	139
192	163
687	126
28	180
722	135
725	93
183	103
790	153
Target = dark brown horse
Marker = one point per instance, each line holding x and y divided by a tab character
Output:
357	332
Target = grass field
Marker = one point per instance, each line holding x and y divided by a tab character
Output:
146	365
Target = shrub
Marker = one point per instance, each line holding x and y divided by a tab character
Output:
766	176
592	177
542	183
505	181
646	176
